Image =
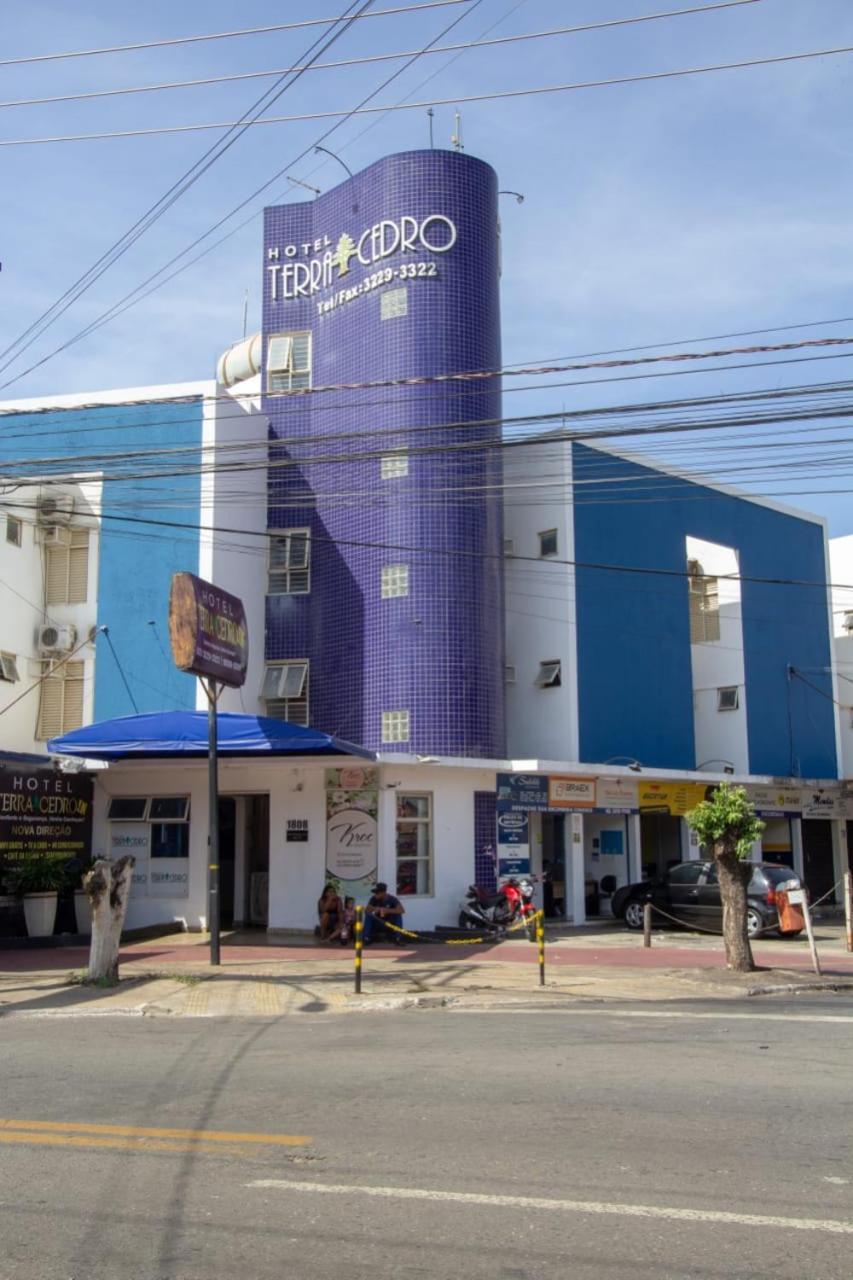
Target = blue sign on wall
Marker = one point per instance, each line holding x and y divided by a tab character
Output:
522	793
513	844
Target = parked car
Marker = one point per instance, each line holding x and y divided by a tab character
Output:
690	891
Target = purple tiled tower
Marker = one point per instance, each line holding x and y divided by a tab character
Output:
394	274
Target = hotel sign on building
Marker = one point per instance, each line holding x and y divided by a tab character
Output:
44	814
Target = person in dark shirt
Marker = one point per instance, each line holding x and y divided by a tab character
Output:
381	907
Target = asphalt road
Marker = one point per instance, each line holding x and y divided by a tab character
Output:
596	1143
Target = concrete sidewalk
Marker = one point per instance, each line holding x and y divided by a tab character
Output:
270	977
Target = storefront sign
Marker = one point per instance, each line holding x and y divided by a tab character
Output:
674	798
207	630
352	844
775	802
44	814
616	795
522	792
513	844
168	878
570	793
824	804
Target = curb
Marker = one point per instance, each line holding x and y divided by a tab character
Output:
800	988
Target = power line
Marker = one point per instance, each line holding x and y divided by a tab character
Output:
497	95
219	35
372	58
179	188
130	299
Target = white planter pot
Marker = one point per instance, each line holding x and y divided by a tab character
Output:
40	913
82	911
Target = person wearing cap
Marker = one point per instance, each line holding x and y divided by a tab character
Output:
382	907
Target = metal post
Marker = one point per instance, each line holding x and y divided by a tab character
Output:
647	924
848	907
807	915
213	823
359	942
540	938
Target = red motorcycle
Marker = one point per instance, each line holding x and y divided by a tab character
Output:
495	912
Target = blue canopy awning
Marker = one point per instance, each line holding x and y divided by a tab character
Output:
168	734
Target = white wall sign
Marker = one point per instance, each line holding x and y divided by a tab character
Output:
169	878
617	795
134	838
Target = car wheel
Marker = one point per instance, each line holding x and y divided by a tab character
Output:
754	923
633	915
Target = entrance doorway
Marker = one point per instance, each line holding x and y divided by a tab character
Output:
818	863
244	860
554	865
660	843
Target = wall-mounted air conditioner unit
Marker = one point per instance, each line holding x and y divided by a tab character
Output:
55	508
54	535
56	639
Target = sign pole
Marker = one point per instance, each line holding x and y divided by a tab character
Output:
213	823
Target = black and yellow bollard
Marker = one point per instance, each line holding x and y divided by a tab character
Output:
540	938
359	946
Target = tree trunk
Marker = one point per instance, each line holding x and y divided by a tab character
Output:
735	875
107	886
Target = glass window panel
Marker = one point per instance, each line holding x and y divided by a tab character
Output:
278	353
127	808
164	808
272	680
170	840
294	679
412	806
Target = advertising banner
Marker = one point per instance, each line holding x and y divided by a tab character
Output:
513	844
776	802
824	804
674	798
352	830
44	814
616	795
522	793
565	792
207	630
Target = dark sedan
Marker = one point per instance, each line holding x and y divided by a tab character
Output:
690	892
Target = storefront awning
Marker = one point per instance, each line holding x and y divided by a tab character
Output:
166	734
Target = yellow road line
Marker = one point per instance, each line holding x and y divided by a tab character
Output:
28	1139
134	1131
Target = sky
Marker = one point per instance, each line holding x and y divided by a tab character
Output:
653	214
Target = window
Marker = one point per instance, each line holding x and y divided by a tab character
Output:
289	563
686	873
414	844
704	598
548	543
510	674
395	580
127	808
169	809
394	465
394	303
170	840
727	699
288	363
60	699
550	675
395	726
14	531
285	691
509	546
67	570
8	668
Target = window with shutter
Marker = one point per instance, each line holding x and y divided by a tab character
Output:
285	691
290	563
60	699
67	570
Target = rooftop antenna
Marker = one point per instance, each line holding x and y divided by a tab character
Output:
325	151
297	182
245	312
519	198
431	113
456	137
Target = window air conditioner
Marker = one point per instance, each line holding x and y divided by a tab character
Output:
55	508
54	535
56	639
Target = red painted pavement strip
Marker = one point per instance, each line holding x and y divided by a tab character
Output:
626	957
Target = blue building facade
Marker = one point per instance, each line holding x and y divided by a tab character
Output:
635	693
390	277
136	560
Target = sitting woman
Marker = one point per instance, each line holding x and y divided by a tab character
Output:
330	909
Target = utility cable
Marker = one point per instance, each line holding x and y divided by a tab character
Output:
219	35
372	58
105	631
130	299
201	166
46	676
495	96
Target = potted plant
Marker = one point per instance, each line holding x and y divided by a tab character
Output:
38	881
75	869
